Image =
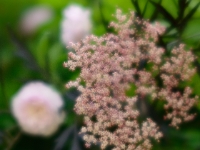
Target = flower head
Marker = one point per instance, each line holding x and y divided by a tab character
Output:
109	64
76	24
37	108
33	18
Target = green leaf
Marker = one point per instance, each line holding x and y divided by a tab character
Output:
191	34
145	8
189	15
6	121
131	91
104	21
194	83
182	6
155	13
164	12
55	55
137	7
42	51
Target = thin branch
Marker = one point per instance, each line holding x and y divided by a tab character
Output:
16	138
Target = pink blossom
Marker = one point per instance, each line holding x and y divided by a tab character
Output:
37	108
34	18
76	24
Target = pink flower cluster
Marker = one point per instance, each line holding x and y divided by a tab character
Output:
109	65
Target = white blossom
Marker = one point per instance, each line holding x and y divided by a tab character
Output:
37	108
35	17
76	24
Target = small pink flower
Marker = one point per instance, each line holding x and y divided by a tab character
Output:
37	108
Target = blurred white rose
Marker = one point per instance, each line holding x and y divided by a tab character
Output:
35	17
37	108
76	24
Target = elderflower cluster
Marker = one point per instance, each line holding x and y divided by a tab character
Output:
37	108
109	64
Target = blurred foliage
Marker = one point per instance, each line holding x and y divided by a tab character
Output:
40	56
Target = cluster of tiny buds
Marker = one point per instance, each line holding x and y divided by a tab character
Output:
109	64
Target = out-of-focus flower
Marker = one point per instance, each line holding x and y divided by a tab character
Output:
35	17
37	108
76	24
